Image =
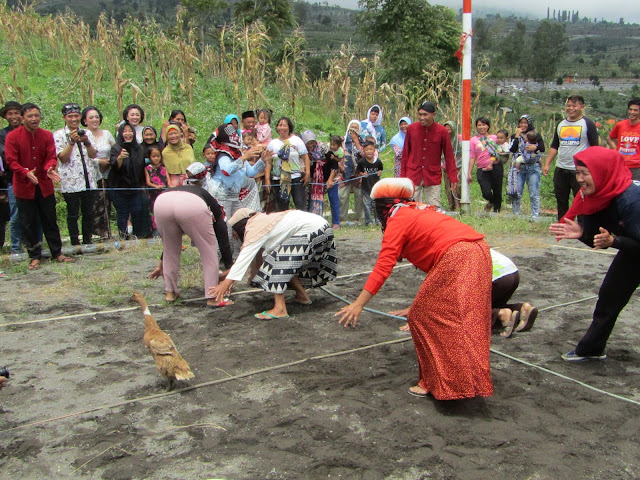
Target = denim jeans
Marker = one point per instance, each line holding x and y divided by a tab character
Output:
529	174
368	205
334	202
14	222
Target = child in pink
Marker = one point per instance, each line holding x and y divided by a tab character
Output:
156	178
263	128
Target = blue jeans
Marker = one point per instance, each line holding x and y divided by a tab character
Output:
529	174
14	222
334	202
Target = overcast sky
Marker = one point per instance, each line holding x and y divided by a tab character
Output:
610	10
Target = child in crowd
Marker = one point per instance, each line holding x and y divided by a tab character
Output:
333	172
263	128
528	157
504	146
249	140
373	125
370	168
156	176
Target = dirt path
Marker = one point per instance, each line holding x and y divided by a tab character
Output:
346	416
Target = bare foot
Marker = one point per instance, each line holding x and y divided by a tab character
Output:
404	328
528	315
510	324
418	391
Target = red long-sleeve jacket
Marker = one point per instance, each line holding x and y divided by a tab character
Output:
24	151
422	155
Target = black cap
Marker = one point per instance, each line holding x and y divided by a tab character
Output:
248	114
427	107
11	105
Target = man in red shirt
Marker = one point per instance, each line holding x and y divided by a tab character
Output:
425	144
31	154
625	137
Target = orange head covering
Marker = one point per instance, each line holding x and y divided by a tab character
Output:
393	188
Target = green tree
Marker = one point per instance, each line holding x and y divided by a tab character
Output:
482	35
412	35
201	13
275	14
512	46
549	42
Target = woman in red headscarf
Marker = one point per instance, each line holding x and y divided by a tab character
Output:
610	204
450	318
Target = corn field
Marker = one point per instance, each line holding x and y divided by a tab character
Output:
138	62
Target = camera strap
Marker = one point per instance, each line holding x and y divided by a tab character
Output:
84	166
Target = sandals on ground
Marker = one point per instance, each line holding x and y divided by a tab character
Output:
34	264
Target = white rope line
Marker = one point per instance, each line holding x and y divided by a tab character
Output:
129	309
515	359
560	375
593	250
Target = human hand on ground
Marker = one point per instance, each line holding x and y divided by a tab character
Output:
400	313
349	314
221	290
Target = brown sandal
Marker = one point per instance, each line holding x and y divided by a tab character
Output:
62	259
34	264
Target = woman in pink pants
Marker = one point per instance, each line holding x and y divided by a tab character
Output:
191	210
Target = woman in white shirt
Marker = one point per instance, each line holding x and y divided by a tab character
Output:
290	248
289	172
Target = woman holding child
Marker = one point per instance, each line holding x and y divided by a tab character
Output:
527	145
484	153
450	318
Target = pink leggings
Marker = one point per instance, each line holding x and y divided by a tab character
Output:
177	213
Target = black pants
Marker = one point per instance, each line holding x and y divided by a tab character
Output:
501	291
491	185
298	194
621	280
43	208
564	183
80	202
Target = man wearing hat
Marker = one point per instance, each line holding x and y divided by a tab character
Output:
30	152
78	172
425	144
11	113
248	120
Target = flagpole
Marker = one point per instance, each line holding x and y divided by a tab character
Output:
466	103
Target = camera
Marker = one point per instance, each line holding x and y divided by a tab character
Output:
4	372
81	132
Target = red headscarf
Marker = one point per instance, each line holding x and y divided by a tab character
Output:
610	176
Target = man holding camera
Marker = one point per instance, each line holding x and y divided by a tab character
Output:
78	170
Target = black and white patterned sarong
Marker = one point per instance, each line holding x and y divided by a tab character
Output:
312	257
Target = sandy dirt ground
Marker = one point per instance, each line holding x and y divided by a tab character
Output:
86	401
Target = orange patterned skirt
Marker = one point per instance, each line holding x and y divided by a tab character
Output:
450	322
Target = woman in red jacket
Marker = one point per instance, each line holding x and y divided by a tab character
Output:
450	318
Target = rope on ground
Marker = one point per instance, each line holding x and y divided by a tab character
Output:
593	250
524	362
129	309
205	384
